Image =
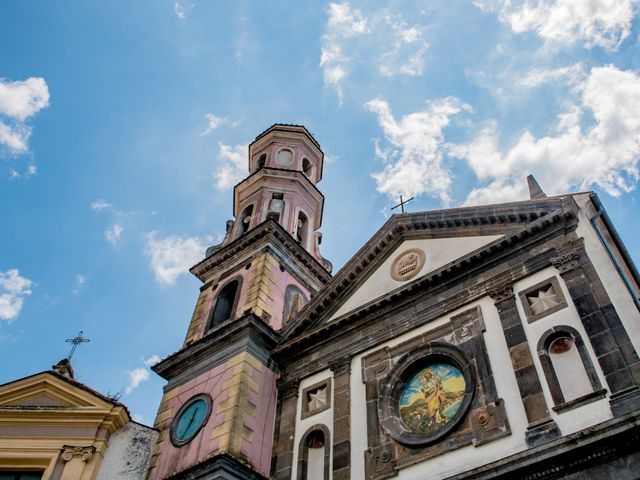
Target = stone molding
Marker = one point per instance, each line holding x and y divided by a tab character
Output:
501	292
288	388
82	453
566	262
341	365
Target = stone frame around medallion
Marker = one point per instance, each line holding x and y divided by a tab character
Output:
304	406
174	423
411	363
551	281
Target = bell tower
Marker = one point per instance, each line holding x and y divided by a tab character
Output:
216	418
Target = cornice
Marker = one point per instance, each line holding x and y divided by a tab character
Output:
553	222
531	215
267	230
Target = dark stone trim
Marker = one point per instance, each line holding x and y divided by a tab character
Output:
247	333
285	428
304	411
580	401
303	451
549	372
288	388
341	365
584	455
532	317
219	467
541	427
341	369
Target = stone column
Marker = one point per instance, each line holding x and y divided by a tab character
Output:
341	369
285	427
541	426
76	459
609	339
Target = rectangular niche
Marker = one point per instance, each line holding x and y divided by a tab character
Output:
542	299
316	398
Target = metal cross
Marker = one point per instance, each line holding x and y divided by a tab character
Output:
401	204
76	341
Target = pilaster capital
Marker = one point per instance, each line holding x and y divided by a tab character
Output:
501	291
288	387
341	365
566	261
83	453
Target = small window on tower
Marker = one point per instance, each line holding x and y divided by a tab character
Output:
302	227
542	299
307	167
261	162
276	206
245	220
225	303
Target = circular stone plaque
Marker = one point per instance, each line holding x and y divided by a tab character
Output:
407	264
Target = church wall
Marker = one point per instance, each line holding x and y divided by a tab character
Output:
241	421
464	458
439	252
573	420
128	454
611	280
304	424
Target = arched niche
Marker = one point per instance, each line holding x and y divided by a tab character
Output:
225	303
313	454
245	220
567	367
302	229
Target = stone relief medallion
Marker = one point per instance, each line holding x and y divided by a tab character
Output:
427	394
407	265
431	398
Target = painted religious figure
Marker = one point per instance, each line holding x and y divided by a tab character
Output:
431	398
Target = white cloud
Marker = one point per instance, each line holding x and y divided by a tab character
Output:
407	55
136	377
113	233
605	23
31	171
172	256
19	101
101	204
604	154
234	165
343	23
180	9
414	159
214	122
536	77
152	360
80	281
13	289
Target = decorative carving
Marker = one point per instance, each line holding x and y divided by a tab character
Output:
407	265
83	453
341	365
501	292
483	419
566	262
288	387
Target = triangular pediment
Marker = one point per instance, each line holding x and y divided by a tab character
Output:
446	238
412	259
47	389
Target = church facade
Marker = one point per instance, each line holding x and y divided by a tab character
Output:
487	342
481	342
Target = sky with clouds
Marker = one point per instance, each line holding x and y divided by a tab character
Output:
124	127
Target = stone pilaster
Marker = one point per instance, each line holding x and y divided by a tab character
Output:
541	426
76	460
341	369
285	427
609	339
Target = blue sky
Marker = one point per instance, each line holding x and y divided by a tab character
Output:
124	126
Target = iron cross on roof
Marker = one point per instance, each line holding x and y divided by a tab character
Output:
76	341
401	204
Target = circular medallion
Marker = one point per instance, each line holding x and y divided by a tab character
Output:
284	157
407	264
190	419
427	394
